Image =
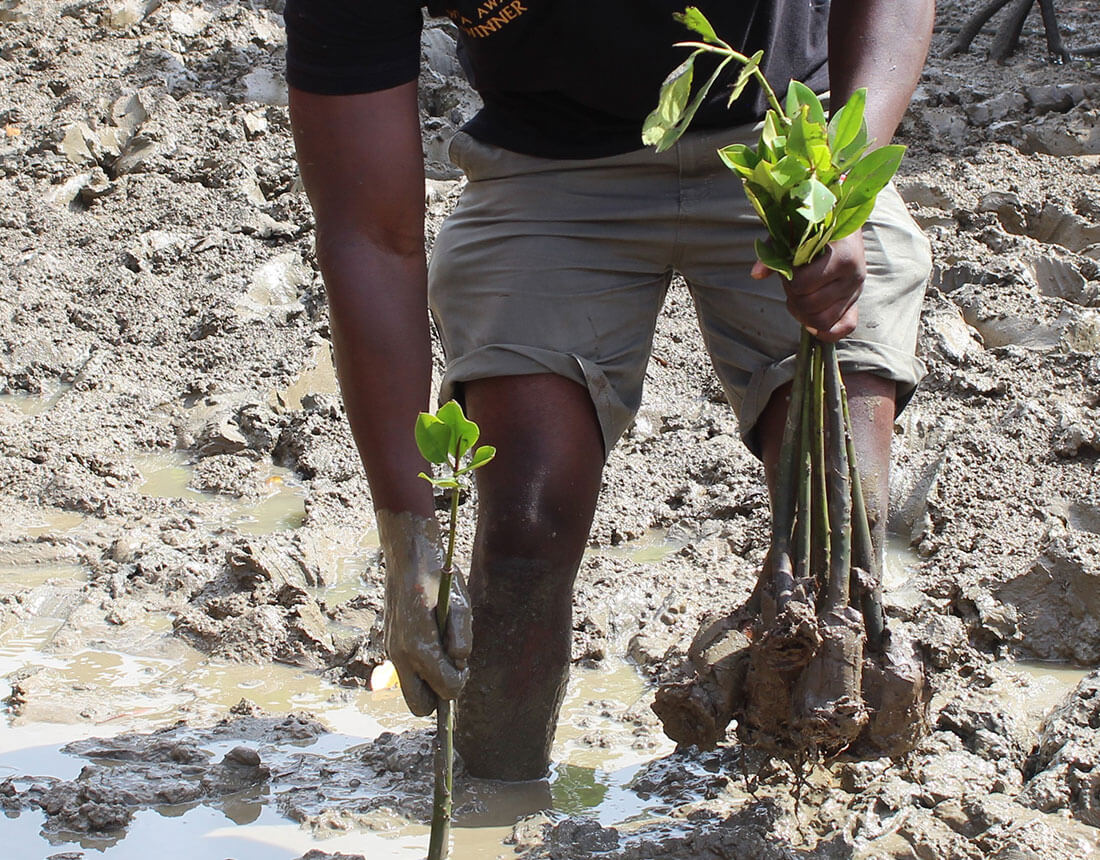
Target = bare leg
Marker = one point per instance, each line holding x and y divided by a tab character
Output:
536	501
871	402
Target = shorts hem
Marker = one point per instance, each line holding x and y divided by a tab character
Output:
494	360
855	357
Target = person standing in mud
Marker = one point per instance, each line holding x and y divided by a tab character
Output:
546	282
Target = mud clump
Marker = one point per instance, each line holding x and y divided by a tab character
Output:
802	687
1066	762
132	772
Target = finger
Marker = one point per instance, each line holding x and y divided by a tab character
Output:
418	695
831	267
438	672
842	327
824	305
831	295
831	323
759	271
459	638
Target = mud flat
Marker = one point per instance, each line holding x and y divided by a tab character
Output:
185	523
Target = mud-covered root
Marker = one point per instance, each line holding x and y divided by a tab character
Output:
792	641
765	722
697	712
828	700
844	700
897	696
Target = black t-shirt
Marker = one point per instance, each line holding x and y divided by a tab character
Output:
559	78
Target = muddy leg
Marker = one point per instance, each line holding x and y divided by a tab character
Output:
535	508
871	401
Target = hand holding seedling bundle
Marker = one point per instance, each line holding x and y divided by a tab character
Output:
790	665
445	439
811	180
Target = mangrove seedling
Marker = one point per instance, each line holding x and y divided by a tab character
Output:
791	664
811	180
447	439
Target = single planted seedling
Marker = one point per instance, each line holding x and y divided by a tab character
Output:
445	439
790	665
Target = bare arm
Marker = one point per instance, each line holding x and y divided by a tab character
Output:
361	162
363	169
881	45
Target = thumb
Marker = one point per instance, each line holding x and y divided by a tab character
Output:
759	271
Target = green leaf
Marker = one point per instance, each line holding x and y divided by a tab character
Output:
851	218
869	175
762	177
695	20
739	158
814	240
442	483
463	432
804	135
817	200
671	103
799	95
821	160
847	122
689	114
481	456
773	132
776	262
850	154
669	137
769	211
789	171
433	438
748	70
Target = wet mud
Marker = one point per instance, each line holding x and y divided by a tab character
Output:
185	522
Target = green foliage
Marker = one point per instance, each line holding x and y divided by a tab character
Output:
445	438
810	178
695	20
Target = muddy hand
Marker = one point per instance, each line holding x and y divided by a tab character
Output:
428	665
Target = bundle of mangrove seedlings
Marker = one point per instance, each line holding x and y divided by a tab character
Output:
807	666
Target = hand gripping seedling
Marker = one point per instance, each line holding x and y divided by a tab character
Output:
445	439
791	665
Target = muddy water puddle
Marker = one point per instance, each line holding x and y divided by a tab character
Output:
36	403
147	692
280	501
1047	685
153	679
146	679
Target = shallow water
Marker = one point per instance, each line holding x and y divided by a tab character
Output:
155	679
281	506
148	692
36	403
152	679
1050	682
158	679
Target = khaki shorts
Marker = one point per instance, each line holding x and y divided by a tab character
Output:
561	266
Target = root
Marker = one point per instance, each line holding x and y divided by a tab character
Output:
804	691
1007	37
